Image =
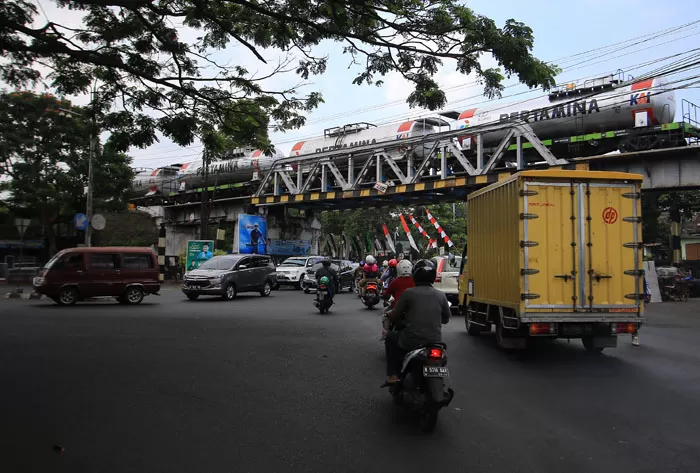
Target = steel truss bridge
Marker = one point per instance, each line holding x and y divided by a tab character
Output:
437	167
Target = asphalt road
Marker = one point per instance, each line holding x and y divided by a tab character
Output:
269	385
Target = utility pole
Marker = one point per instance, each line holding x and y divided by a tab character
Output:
91	159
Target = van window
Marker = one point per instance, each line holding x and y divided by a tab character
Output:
136	261
70	262
104	261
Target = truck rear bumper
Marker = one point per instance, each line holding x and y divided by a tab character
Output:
604	317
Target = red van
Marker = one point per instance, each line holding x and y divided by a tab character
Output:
75	274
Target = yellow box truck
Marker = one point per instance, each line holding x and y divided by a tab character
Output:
555	254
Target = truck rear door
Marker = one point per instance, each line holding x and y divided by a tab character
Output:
580	243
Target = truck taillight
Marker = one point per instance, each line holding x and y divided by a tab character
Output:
623	328
543	329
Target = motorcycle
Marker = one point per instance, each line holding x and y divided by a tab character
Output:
324	300
387	326
424	384
371	295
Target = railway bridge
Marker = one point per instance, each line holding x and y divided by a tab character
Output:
420	170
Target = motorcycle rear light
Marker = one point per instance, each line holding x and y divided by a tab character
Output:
435	353
543	329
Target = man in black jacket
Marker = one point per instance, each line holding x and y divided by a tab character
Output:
330	273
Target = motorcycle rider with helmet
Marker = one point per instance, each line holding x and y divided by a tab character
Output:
402	281
369	273
421	311
389	273
330	273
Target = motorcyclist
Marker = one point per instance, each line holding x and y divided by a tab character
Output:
402	281
330	273
421	311
357	275
369	273
389	273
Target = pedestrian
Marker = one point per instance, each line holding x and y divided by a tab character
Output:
647	299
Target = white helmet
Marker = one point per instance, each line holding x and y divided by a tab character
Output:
404	268
370	259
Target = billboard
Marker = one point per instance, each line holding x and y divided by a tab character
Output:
289	247
198	251
252	234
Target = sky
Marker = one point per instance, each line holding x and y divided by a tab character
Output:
562	30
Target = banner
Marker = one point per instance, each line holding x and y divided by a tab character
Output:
408	233
289	247
198	251
388	238
437	226
252	234
431	243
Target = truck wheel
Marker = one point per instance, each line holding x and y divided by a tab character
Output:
472	328
588	345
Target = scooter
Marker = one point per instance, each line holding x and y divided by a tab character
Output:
324	300
371	295
424	384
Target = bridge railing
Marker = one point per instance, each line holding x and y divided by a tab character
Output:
407	161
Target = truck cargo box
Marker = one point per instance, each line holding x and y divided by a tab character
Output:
551	247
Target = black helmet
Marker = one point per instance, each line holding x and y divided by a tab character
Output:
326	262
424	272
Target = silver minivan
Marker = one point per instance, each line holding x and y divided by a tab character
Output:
227	275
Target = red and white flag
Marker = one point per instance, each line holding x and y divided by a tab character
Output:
387	235
431	243
408	233
437	226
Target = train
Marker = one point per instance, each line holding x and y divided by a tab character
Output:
607	105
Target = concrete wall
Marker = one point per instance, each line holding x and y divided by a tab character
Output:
182	223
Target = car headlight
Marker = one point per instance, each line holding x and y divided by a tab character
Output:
215	281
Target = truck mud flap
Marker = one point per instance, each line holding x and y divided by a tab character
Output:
604	341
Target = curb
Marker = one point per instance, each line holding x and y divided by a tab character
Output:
25	296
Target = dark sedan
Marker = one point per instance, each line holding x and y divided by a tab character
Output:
344	268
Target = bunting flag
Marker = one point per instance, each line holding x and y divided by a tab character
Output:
332	245
431	243
388	238
437	226
408	233
368	240
378	247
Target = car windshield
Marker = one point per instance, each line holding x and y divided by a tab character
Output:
219	262
455	266
294	262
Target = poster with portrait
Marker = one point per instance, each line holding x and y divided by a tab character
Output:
198	251
252	234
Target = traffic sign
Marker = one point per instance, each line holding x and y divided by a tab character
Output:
22	224
98	222
80	221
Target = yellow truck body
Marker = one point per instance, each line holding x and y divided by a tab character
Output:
555	253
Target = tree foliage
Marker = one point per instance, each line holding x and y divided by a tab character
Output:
46	155
132	47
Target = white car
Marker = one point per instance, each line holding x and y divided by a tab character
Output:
447	277
293	270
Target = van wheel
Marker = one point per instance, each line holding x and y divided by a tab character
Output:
133	295
68	296
266	289
229	292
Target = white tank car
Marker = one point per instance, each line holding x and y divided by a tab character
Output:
361	134
597	105
162	180
240	165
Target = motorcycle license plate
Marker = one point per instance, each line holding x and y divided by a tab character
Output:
322	293
435	372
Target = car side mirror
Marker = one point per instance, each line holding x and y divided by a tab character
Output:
243	266
452	259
